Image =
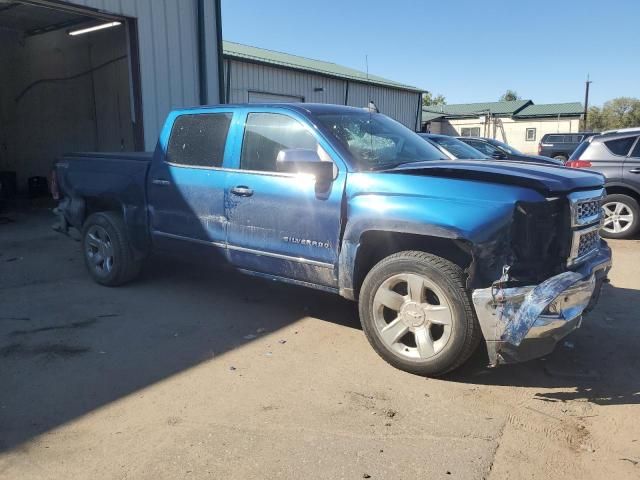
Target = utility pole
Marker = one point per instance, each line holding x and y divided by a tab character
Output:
586	101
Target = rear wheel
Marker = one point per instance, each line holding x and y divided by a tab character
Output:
107	251
562	158
417	315
621	216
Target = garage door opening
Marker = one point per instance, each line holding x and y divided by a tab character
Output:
69	83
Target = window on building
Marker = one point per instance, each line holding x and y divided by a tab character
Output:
531	134
199	140
620	146
470	131
266	134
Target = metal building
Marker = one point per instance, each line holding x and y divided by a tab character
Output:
100	75
258	75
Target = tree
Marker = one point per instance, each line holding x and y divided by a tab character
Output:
621	112
509	96
428	99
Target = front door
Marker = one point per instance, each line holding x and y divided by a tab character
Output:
282	224
186	184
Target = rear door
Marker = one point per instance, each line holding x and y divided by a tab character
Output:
186	181
282	224
631	168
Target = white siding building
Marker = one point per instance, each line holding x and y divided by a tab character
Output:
520	123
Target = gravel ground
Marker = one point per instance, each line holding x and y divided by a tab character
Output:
196	373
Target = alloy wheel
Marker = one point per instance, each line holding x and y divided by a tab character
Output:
99	250
618	217
413	316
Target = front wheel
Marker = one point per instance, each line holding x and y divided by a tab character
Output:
417	314
621	216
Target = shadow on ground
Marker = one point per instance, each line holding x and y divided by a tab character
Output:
598	363
68	346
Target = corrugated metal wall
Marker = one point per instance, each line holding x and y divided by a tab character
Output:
245	77
168	47
401	105
250	77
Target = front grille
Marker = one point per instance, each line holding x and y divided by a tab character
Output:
586	208
588	242
587	211
586	220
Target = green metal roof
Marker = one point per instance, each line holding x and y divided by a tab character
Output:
551	109
271	57
516	108
467	109
427	116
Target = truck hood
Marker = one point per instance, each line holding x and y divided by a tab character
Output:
546	179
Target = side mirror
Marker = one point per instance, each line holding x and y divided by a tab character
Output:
498	155
304	160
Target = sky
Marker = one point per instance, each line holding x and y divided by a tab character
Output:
468	51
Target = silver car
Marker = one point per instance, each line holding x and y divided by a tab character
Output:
616	155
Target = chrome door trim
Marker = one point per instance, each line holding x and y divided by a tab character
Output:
237	248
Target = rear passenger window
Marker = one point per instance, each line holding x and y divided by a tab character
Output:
620	146
266	134
199	140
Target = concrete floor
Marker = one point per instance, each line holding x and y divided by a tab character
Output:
194	373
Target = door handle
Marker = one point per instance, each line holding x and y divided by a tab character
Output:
242	191
634	170
161	182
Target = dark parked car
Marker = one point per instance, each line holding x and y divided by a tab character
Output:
501	151
453	148
617	156
561	145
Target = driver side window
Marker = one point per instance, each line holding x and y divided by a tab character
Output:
266	134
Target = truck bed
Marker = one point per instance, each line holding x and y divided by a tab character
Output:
95	181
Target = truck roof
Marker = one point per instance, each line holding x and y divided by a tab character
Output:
311	108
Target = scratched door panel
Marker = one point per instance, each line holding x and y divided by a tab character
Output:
186	185
286	226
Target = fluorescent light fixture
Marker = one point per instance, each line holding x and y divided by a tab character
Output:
94	28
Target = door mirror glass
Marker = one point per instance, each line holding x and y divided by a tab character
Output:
498	155
303	160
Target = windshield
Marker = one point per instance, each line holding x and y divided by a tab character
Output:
506	148
377	142
459	149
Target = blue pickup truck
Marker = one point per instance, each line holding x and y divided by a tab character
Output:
439	255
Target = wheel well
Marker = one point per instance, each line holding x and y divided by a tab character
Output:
93	205
623	191
376	245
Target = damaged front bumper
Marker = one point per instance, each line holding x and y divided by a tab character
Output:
522	323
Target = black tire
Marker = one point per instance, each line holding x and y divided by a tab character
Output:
465	332
562	158
124	266
631	204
